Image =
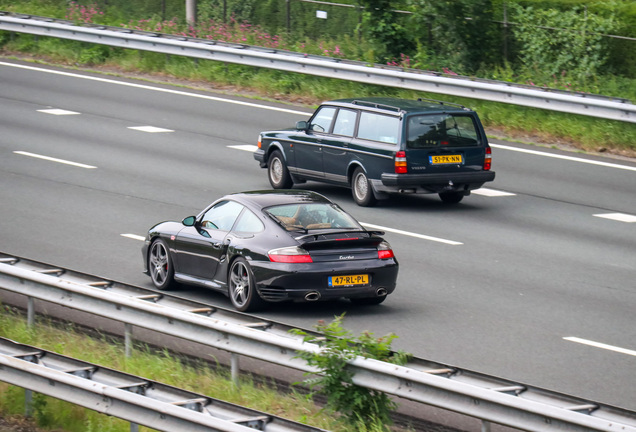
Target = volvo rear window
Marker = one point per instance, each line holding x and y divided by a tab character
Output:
441	130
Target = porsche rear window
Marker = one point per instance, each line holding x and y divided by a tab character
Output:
312	216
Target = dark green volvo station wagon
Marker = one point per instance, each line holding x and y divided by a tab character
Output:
380	146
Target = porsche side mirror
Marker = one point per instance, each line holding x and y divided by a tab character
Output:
189	221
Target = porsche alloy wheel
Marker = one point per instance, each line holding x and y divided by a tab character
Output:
242	288
160	265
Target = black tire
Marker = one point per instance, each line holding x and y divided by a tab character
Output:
277	171
160	265
242	287
368	301
451	197
361	189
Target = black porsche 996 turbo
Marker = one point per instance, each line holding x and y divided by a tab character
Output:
271	246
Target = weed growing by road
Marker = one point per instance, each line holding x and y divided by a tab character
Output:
363	408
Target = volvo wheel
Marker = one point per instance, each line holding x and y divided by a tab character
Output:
451	197
277	172
361	189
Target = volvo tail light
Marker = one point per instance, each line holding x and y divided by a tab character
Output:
260	139
385	251
400	162
488	159
292	254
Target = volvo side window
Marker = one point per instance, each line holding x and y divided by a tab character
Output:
377	127
321	122
345	123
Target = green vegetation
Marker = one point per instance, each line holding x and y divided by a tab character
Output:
435	36
362	408
166	367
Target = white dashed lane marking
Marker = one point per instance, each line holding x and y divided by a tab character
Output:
56	111
150	129
245	147
52	159
491	192
134	236
620	217
601	345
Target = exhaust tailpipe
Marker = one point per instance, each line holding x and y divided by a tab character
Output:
380	292
312	296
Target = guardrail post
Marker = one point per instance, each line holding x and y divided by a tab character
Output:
30	312
234	363
485	426
134	427
128	330
28	402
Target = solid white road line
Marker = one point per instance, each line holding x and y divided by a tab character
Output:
564	157
601	345
621	217
148	87
134	236
377	227
411	234
62	161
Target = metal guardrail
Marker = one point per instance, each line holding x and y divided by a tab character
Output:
132	398
542	98
491	399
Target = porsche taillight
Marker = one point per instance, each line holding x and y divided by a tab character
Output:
400	162
488	159
385	251
292	254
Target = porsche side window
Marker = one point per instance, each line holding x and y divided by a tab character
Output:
249	223
222	215
322	120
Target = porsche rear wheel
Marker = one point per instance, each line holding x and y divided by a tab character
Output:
160	265
242	287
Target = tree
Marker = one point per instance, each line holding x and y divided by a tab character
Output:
385	29
461	33
555	42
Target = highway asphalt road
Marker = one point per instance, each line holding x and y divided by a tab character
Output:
499	284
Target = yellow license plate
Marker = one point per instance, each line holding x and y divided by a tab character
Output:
445	159
349	280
